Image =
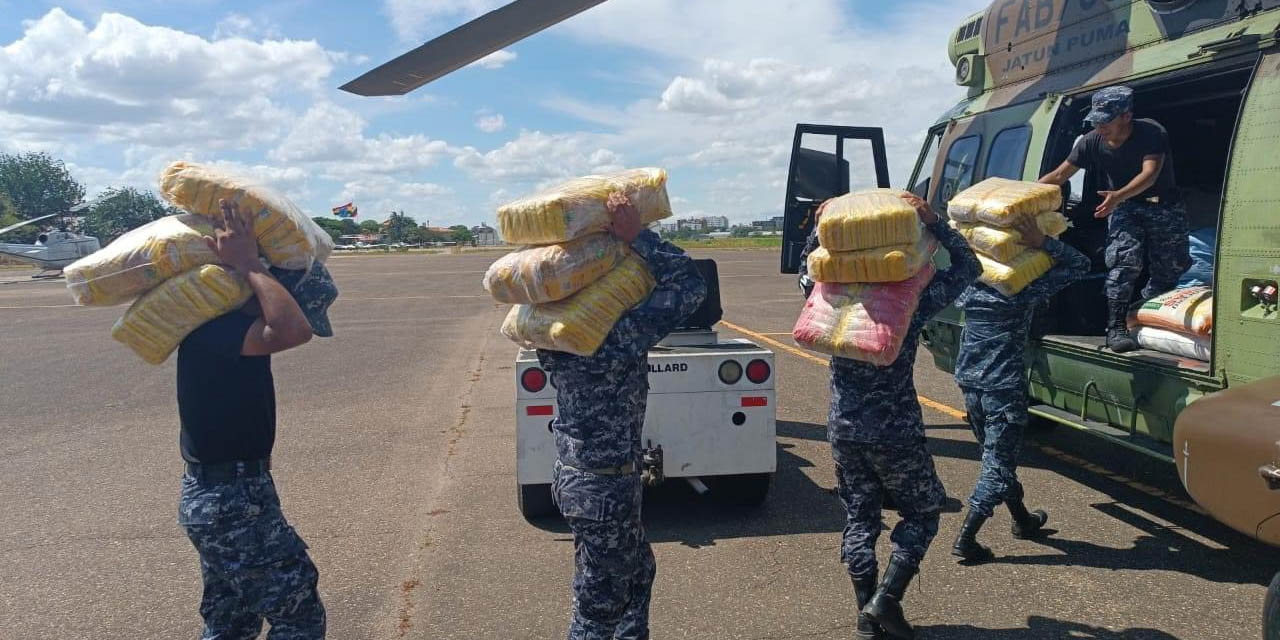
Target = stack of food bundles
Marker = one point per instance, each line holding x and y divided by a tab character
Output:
169	268
1179	322
872	263
573	281
985	213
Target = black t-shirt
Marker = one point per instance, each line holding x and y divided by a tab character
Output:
226	401
1118	167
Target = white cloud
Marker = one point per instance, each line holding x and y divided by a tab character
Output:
536	157
237	25
421	19
496	60
491	123
332	140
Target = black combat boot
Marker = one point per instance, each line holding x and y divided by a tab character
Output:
966	546
885	608
863	589
1027	525
1118	338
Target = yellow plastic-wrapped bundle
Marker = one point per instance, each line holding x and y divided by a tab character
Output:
999	201
157	322
577	207
536	275
580	323
868	219
1011	278
286	236
882	264
1004	244
141	259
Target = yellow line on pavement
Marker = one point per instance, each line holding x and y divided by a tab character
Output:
928	402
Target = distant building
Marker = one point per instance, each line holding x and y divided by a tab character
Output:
668	227
486	236
691	224
717	223
772	224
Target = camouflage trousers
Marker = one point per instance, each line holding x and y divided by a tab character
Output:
613	580
254	565
864	474
998	418
1141	233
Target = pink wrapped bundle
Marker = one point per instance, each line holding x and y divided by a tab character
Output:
866	322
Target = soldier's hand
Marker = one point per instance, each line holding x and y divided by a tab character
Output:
1108	206
233	239
922	208
1031	234
626	223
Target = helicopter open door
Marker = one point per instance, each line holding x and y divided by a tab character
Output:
826	161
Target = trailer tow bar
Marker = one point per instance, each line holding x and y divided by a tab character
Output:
651	461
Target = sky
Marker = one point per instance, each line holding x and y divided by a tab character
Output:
710	90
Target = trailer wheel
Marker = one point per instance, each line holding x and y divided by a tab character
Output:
534	501
1271	611
744	490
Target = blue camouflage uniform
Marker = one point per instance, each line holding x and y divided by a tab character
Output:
596	485
876	430
991	370
1147	233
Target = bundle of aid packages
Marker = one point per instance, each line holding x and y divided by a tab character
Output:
985	214
574	281
872	262
168	263
578	207
866	322
1179	322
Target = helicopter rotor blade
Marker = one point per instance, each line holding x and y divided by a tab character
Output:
466	44
27	222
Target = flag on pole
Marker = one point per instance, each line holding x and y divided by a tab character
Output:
347	210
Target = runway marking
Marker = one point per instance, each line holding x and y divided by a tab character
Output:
1052	452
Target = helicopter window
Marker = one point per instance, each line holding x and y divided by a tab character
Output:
957	173
1008	153
924	167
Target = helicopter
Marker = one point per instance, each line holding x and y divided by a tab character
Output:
53	250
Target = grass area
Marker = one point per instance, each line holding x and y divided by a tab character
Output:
772	242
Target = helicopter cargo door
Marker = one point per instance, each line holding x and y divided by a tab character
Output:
826	161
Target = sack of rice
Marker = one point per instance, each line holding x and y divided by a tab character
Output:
999	202
286	236
868	219
882	264
157	322
141	259
1005	244
577	207
579	324
1014	276
1188	310
535	275
866	322
1174	343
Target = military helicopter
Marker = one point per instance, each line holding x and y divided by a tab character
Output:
53	250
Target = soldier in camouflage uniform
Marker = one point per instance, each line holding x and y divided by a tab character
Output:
254	565
1146	221
991	370
876	431
601	401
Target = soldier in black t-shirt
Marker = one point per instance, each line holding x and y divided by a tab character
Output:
254	565
1146	222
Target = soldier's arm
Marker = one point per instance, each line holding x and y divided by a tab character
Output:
806	283
679	292
1060	175
947	285
1069	265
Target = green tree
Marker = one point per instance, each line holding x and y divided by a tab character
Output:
740	232
122	209
370	226
330	225
400	226
38	184
461	234
9	216
349	227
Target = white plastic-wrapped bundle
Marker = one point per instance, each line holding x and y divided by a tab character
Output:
999	202
881	264
579	324
578	207
286	236
1188	310
553	272
1004	244
866	322
1171	342
157	322
141	259
868	219
1013	277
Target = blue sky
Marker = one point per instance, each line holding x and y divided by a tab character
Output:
121	88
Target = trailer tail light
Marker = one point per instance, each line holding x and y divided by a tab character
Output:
758	371
540	410
730	372
755	401
533	380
